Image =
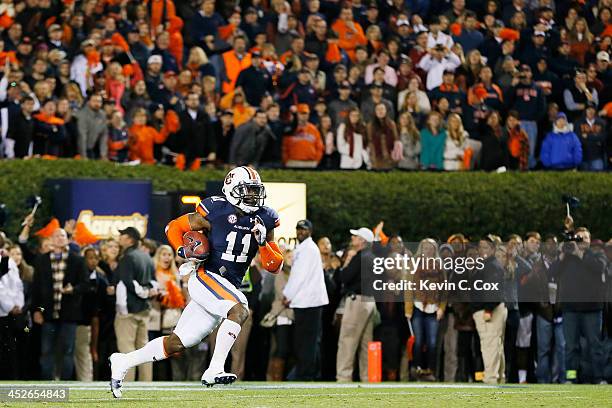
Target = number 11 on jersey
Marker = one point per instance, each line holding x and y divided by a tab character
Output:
231	241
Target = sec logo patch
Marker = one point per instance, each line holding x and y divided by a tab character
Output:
232	219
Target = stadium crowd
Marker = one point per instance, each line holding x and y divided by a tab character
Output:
414	84
66	305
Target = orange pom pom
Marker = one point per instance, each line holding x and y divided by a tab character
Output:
508	34
83	236
174	297
455	29
480	92
49	229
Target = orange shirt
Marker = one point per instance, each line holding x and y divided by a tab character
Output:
349	38
143	138
304	145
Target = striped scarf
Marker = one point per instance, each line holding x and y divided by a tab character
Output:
58	269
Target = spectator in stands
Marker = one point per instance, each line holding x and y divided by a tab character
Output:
456	155
305	293
340	107
49	131
433	142
134	276
438	60
92	130
410	138
357	326
143	138
117	138
527	99
376	97
234	61
351	141
193	141
490	314
382	139
304	147
578	95
382	61
60	280
591	131
561	148
494	152
350	34
21	128
255	80
250	140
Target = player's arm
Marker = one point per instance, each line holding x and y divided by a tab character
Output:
269	252
178	227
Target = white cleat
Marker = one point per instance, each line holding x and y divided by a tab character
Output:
118	371
210	378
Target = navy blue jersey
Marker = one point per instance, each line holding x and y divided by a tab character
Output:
232	244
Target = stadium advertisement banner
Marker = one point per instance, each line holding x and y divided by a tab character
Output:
289	200
104	206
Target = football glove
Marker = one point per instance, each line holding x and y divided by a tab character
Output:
259	231
187	253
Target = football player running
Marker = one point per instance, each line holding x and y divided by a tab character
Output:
238	225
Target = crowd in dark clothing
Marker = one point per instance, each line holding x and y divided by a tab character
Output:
171	83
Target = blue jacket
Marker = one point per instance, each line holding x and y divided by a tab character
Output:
561	150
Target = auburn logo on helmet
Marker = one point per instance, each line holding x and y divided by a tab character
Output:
228	178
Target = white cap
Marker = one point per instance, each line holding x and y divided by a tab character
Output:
155	59
364	233
603	56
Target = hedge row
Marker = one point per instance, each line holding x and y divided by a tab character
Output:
413	203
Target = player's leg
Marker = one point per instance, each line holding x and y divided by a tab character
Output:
226	336
194	324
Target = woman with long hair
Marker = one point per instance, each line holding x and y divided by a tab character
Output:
350	139
166	308
468	73
433	140
72	92
422	104
411	142
330	158
580	39
456	144
135	98
425	308
198	64
494	153
383	140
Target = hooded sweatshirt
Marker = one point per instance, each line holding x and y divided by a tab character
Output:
561	149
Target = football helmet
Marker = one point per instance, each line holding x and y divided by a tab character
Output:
243	188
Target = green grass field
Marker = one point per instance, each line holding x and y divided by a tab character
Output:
329	395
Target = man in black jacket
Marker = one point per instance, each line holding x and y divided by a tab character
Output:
490	312
255	80
250	141
581	277
194	139
60	280
135	285
21	128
